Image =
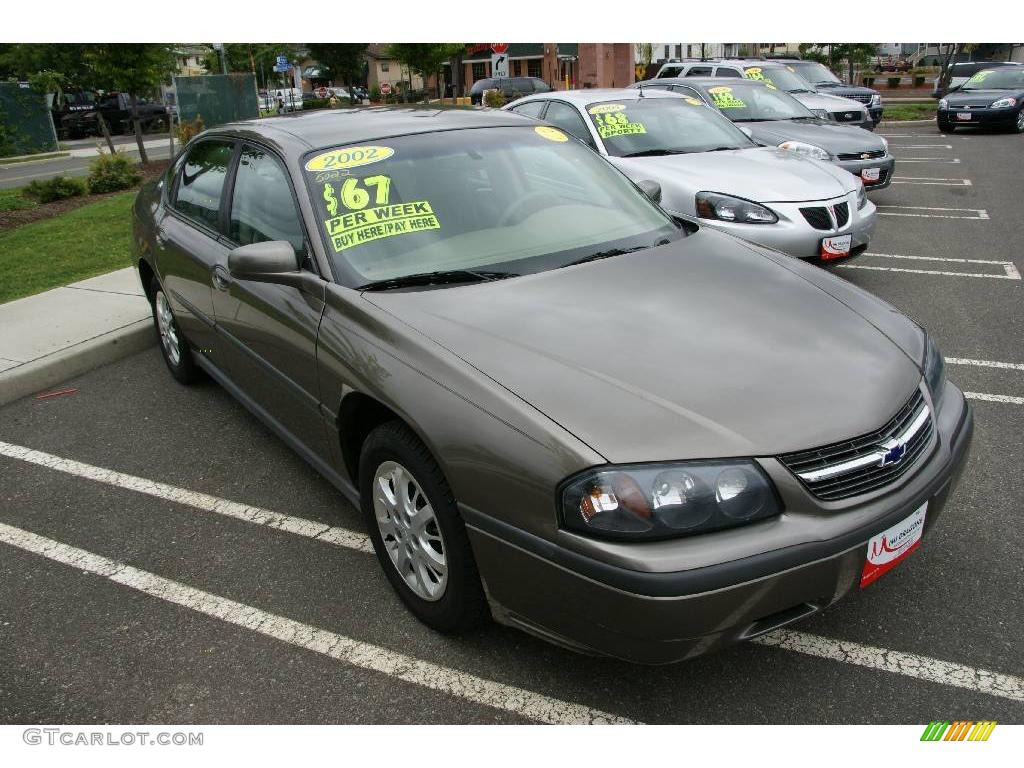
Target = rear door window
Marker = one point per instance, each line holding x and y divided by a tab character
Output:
200	183
727	72
530	109
699	72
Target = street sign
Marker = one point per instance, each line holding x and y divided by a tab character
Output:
385	88
499	65
282	60
321	92
499	47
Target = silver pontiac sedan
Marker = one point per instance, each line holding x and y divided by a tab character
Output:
708	171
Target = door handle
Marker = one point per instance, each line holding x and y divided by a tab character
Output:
220	279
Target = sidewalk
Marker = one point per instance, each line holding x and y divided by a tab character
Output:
91	151
62	333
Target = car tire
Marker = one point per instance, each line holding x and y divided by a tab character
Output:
173	345
397	475
1019	127
946	127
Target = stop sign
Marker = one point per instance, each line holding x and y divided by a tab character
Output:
499	47
321	92
385	88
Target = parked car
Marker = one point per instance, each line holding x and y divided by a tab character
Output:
648	439
511	87
782	76
992	98
891	64
712	173
699	68
964	70
824	80
74	116
773	118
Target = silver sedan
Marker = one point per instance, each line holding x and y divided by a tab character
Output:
705	169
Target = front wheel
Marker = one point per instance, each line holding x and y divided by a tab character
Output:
1020	121
946	127
173	346
416	531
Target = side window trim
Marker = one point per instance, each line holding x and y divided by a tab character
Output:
589	141
308	257
214	232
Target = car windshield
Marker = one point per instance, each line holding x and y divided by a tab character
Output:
508	200
652	126
782	77
1004	78
814	72
748	102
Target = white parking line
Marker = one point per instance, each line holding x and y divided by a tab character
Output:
931	181
1009	399
899	663
1010	271
452	682
951	161
984	363
949	213
300	526
920	146
913	135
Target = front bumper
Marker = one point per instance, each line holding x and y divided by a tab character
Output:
876	115
794	236
584	603
984	117
886	166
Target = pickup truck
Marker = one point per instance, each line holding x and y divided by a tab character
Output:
74	115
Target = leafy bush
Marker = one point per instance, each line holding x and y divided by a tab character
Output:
189	128
110	173
375	93
894	82
57	188
494	98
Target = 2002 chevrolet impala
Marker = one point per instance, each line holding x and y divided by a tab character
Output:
554	403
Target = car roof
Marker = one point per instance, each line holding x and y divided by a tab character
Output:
584	96
301	131
705	82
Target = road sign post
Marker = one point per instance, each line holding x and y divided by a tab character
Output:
499	60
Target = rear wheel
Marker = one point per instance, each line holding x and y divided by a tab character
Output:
416	531
173	346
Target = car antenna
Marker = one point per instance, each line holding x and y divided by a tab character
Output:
640	87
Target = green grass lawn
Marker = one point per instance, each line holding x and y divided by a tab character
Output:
13	200
923	111
87	241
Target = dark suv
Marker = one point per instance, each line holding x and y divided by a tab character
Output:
825	81
511	87
75	116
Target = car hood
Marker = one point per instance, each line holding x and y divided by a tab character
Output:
764	175
705	347
837	139
828	102
986	96
840	89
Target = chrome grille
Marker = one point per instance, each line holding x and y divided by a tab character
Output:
857	466
862	98
817	217
873	155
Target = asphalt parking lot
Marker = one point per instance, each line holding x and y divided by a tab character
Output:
314	634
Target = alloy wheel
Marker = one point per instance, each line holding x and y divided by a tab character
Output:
410	531
168	331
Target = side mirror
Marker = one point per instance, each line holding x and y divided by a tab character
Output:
270	262
650	188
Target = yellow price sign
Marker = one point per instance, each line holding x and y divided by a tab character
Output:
350	157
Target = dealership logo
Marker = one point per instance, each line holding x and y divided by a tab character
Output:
894	455
865	155
960	730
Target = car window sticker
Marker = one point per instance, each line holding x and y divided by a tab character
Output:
611	120
360	207
551	134
756	73
724	99
695	102
979	76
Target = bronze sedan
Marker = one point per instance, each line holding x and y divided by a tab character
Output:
555	404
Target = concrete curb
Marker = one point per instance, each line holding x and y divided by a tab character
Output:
83	357
897	123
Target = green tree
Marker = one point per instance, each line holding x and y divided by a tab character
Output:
343	61
21	60
133	69
425	58
258	58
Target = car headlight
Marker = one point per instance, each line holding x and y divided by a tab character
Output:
876	100
1009	101
711	205
661	501
934	370
807	150
862	195
822	113
943	104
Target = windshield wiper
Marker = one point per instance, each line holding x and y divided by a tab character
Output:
722	149
442	277
607	254
656	152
